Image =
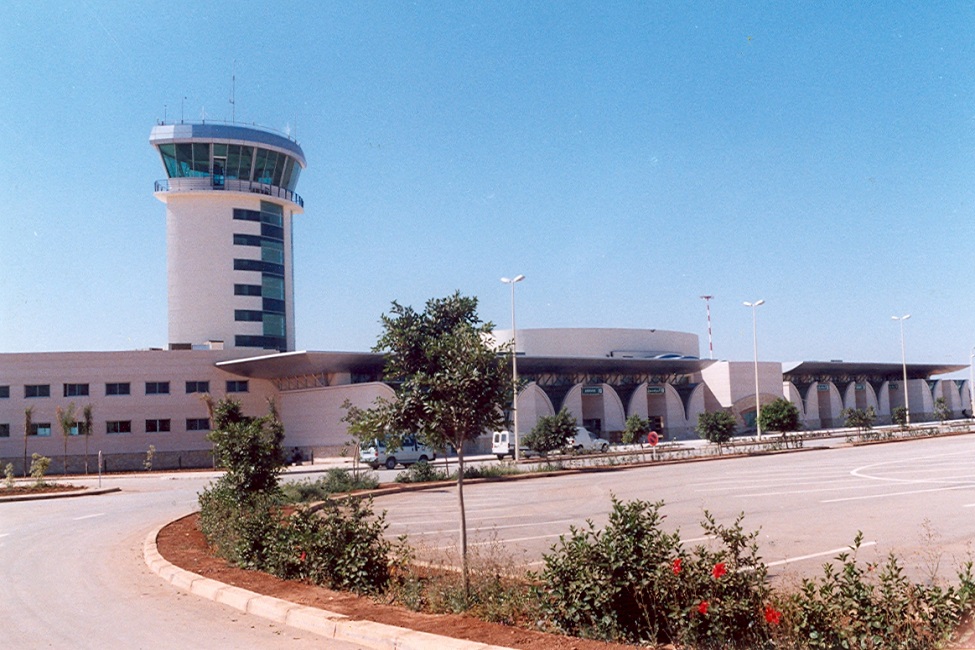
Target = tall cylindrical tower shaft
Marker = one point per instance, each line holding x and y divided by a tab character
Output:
230	198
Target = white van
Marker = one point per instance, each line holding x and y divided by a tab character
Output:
503	444
412	451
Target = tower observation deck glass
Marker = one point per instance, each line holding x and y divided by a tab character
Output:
228	157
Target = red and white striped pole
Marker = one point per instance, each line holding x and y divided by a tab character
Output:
707	303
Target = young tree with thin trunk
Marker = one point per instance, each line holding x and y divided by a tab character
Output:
89	421
28	425
67	422
451	384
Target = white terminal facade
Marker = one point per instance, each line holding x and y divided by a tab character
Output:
230	195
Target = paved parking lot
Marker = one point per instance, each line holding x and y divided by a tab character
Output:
915	498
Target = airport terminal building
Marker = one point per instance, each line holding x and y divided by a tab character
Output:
230	199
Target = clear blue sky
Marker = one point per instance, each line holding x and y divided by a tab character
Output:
626	157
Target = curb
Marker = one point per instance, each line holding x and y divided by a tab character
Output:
328	624
60	495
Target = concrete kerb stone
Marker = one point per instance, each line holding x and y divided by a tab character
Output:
310	619
84	492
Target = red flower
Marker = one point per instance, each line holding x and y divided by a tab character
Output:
703	607
772	615
302	558
718	570
675	566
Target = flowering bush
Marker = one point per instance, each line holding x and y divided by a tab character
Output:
635	583
631	582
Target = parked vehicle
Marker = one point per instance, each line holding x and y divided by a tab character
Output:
584	440
412	451
503	444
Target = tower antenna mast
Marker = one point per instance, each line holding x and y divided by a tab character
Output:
233	94
707	303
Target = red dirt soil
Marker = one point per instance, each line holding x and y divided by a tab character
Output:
182	543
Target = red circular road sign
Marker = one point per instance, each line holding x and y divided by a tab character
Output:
653	438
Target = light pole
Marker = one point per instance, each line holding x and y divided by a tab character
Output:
907	397
758	402
971	382
514	363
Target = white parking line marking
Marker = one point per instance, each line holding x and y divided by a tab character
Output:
100	514
515	539
799	558
898	494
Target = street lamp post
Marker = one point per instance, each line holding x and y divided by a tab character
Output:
907	397
514	363
758	402
971	383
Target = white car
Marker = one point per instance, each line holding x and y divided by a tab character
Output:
584	440
376	455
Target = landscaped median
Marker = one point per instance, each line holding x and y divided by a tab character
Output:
328	624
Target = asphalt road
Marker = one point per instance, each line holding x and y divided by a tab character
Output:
72	576
914	498
72	573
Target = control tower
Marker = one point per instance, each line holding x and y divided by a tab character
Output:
230	196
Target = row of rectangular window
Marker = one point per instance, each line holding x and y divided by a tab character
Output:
122	388
158	425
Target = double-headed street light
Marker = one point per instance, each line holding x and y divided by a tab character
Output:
514	363
907	398
758	402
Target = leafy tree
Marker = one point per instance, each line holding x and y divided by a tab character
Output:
941	410
780	415
88	422
716	427
636	429
28	425
249	448
861	419
66	421
899	416
451	384
551	432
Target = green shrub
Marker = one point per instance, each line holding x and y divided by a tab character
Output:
38	468
335	481
8	475
875	606
248	448
717	427
341	547
492	470
636	430
551	432
238	526
632	582
421	473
